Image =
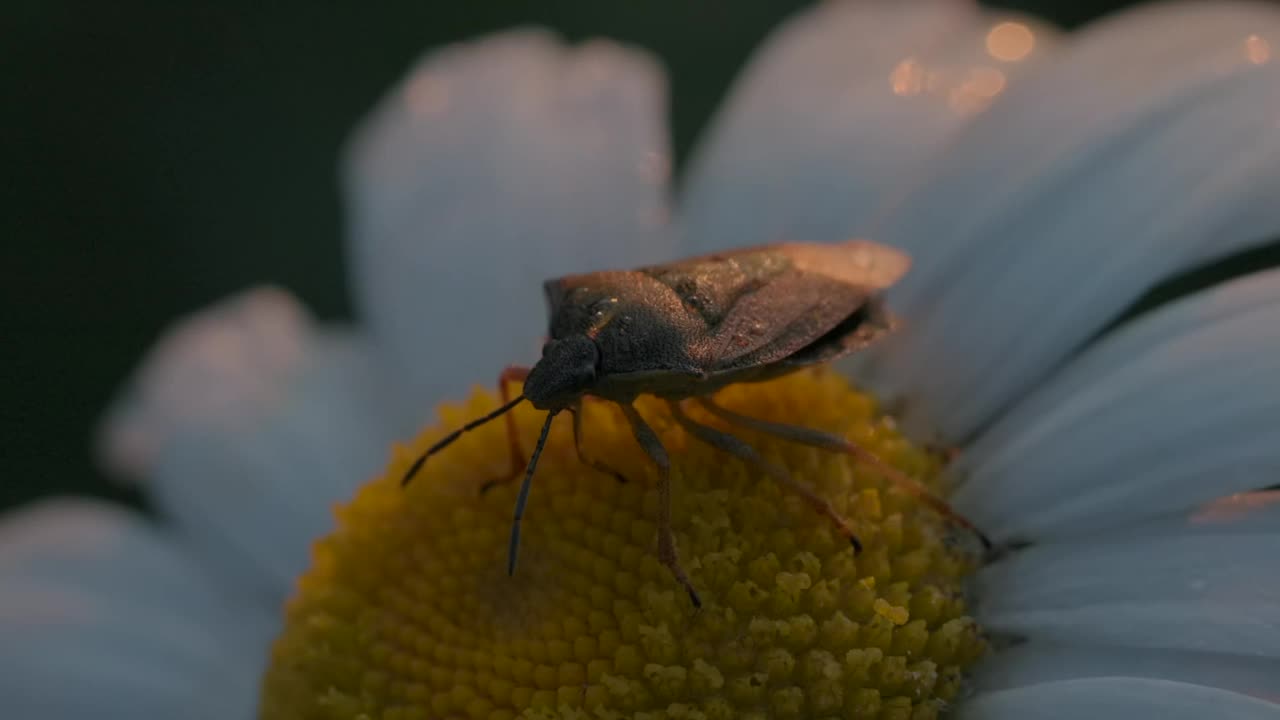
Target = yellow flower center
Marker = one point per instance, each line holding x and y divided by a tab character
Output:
408	611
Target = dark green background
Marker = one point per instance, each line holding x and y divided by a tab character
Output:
160	155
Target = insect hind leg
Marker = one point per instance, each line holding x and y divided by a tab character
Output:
510	374
667	553
835	443
740	449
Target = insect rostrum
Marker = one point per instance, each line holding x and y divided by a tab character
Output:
682	331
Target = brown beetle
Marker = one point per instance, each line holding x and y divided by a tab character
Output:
686	329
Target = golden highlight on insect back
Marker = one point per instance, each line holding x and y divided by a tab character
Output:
408	610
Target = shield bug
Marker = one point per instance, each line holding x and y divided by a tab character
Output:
683	330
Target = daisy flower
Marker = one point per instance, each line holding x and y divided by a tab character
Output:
1042	183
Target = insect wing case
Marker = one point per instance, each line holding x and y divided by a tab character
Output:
666	328
762	305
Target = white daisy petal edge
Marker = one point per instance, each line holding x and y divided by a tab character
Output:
1144	145
839	104
254	422
1117	698
104	616
233	358
1039	661
494	165
1179	407
1213	592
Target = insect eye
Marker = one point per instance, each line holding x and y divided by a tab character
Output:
600	308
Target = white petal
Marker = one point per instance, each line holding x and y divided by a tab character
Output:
1035	662
247	456
212	368
493	166
103	617
1177	408
1147	145
256	497
1206	591
1118	698
841	103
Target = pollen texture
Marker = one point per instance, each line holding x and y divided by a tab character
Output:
408	610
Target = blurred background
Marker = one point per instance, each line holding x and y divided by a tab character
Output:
160	155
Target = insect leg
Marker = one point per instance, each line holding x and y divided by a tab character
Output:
510	374
523	498
736	447
667	553
835	443
590	462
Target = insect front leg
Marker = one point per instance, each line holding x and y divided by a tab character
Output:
735	446
510	374
590	462
667	553
835	443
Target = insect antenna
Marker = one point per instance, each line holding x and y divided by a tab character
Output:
448	439
521	499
